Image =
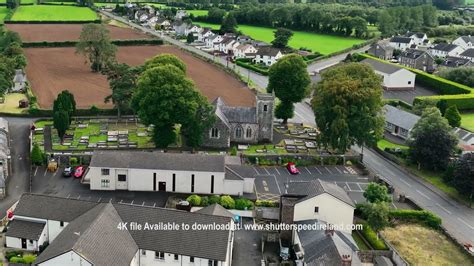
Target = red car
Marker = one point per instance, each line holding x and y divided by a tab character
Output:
79	171
292	168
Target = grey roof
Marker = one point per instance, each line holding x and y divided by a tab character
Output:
400	117
468	38
463	134
52	208
25	229
451	61
19	76
216	210
468	53
323	248
240	114
400	39
158	160
383	45
268	50
446	47
313	188
417	34
381	66
95	237
245	171
232	175
413	53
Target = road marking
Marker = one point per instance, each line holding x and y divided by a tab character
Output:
268	173
131	203
99	199
424	195
308	170
154	204
78	197
278	186
256	170
443	208
143	204
327	169
359	186
68	195
318	170
348	187
276	169
338	170
45	171
36	170
464	222
355	201
406	183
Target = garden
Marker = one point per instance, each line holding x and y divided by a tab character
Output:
53	13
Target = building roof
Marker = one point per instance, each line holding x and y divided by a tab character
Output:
232	175
468	53
384	45
416	34
240	114
413	53
445	47
451	61
25	229
19	76
400	117
313	188
243	46
467	38
158	160
381	66
216	210
464	135
268	50
401	39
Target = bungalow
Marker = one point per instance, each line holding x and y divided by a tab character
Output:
381	50
267	55
417	59
466	42
19	81
245	51
446	49
468	54
157	171
455	62
399	122
394	77
401	43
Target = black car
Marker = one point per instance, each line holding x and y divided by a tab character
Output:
67	172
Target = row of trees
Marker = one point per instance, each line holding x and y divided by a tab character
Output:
401	19
11	58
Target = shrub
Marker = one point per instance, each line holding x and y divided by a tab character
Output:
17	260
194	200
372	238
29	259
227	202
204	201
233	151
214	199
13	253
73	161
37	156
425	217
252	67
243	204
266	203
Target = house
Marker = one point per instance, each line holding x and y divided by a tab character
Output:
317	200
466	139
466	42
455	62
213	41
159	22
401	43
399	122
193	29
381	50
244	38
227	45
19	81
394	77
245	51
446	49
180	27
246	125
180	14
92	233
158	171
417	59
468	54
418	38
267	55
204	34
4	155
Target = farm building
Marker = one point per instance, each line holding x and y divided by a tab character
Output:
394	77
157	171
399	122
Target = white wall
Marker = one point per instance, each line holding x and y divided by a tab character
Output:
70	258
54	228
149	259
331	210
399	79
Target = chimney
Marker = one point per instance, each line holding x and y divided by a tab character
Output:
287	210
346	260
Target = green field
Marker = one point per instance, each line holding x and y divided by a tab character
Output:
197	13
470	2
53	13
3	13
62	3
467	121
383	143
322	43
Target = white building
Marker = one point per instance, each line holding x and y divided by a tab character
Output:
394	77
419	38
443	50
401	43
204	34
468	54
228	45
466	42
19	81
267	55
157	171
213	41
245	51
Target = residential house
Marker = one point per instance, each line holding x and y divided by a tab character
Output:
455	62
4	155
180	14
245	51
468	54
466	139
399	122
417	59
401	43
267	55
443	50
466	42
246	125
180	27
204	34
381	50
142	16
394	77
91	233
418	38
193	29
228	45
159	22
244	39
19	81
213	41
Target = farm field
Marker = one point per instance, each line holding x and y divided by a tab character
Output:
69	71
322	43
53	13
467	121
68	32
3	13
197	13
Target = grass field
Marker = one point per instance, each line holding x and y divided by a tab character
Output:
11	103
62	3
383	143
467	121
3	13
322	43
197	13
470	2
53	13
423	246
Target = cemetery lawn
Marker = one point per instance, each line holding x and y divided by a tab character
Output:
53	13
323	43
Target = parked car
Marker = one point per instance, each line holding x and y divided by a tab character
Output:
79	171
67	172
292	168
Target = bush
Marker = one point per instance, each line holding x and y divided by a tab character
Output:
204	201
266	203
227	202
243	204
214	199
13	253
73	161
37	156
17	260
252	67
425	217
233	151
372	238
29	259
194	200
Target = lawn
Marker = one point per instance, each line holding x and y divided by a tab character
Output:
359	241
197	13
322	43
53	13
467	120
11	104
3	13
423	246
383	143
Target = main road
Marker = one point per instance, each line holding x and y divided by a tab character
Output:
457	218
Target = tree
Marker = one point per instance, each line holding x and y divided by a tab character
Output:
61	122
453	116
463	75
95	45
348	105
282	37
290	81
420	106
432	141
229	24
442	106
215	15
65	102
165	59
123	81
463	176
377	215
190	38
375	193
37	156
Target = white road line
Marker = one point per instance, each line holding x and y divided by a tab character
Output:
256	170
359	186
319	171
78	197
99	199
45	171
308	170
464	222
355	201
278	186
327	169
276	169
424	195
443	208
68	195
348	187
268	173
36	170
340	172
154	204
131	203
143	204
406	183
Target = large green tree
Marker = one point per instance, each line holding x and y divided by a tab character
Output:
281	37
166	59
65	102
61	122
463	178
376	193
229	24
432	141
348	105
463	75
453	116
290	81
95	45
377	215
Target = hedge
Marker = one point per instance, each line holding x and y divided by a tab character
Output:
462	101
371	237
73	43
425	217
252	67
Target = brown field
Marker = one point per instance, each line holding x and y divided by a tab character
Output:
68	32
51	70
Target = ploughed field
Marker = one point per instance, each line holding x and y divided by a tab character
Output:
51	70
68	32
